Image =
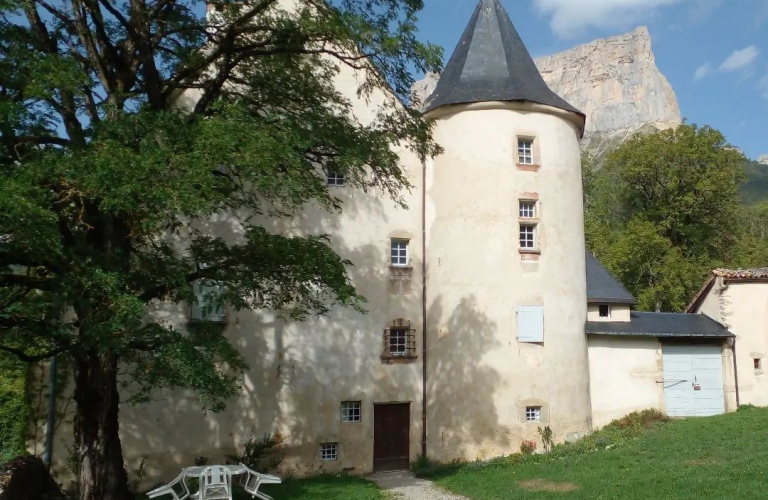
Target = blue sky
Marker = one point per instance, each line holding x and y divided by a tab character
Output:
714	52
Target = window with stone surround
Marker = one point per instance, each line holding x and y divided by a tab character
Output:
399	252
525	151
351	412
533	414
399	341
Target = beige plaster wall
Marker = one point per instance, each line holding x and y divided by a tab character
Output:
624	374
744	310
619	312
301	372
480	377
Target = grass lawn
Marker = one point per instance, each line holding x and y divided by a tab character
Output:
719	458
318	488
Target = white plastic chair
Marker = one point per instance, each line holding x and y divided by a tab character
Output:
216	483
172	487
254	480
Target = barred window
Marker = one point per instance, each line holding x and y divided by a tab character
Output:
525	151
528	236
533	413
351	411
399	340
329	452
335	179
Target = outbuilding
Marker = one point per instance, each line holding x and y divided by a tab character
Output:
680	363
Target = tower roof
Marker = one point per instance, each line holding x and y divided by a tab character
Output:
491	63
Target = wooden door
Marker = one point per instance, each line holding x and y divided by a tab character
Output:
391	436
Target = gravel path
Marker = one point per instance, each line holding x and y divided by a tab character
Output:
407	487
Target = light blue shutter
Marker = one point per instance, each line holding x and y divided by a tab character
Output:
530	324
197	307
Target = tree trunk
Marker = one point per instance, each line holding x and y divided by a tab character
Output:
102	472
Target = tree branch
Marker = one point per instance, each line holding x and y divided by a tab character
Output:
23	356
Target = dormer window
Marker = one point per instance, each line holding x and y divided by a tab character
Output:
525	151
605	310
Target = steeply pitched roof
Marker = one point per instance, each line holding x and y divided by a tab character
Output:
663	325
603	287
491	63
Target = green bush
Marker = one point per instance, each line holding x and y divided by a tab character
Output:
14	408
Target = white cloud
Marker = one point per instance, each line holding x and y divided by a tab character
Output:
702	71
762	86
740	59
571	17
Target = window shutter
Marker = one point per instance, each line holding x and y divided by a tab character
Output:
530	324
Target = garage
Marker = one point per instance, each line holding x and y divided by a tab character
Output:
693	380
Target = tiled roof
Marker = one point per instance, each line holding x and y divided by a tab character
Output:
663	325
602	286
742	274
491	63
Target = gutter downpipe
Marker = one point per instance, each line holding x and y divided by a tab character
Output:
424	308
48	450
736	374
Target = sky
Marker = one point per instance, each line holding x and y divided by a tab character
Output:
713	52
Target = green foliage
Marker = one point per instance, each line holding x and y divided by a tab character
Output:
259	452
660	214
14	407
547	438
755	190
129	132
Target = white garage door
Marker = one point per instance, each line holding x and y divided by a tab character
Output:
693	380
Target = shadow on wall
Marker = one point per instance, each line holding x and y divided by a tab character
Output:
298	373
463	421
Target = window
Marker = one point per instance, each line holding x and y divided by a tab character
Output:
329	452
530	324
533	413
399	253
335	179
525	151
399	340
758	364
527	209
605	310
528	236
351	411
208	302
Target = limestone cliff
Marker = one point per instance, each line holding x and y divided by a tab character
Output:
763	159
614	81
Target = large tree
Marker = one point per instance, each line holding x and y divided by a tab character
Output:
664	210
108	172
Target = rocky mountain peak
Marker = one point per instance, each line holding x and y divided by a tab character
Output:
614	81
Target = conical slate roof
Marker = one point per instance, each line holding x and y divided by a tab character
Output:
491	63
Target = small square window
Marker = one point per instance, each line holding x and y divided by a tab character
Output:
528	236
605	310
533	413
758	364
335	179
527	209
525	151
351	411
399	253
329	452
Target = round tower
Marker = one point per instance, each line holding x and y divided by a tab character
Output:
506	290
